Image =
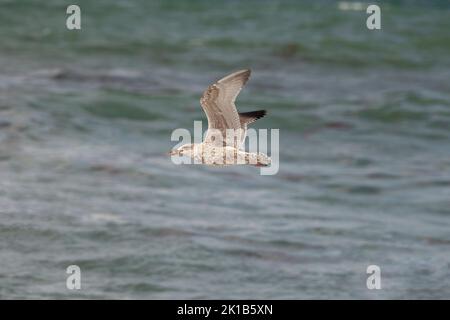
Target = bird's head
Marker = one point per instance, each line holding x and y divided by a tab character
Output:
184	150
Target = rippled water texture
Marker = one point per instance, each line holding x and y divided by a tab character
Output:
86	118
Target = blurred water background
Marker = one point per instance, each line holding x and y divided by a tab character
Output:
86	117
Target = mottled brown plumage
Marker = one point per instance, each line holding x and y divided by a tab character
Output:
218	102
226	127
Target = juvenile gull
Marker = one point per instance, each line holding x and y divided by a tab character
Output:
226	127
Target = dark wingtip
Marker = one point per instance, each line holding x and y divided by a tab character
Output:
252	116
263	113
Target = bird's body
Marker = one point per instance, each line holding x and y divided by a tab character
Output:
205	153
226	127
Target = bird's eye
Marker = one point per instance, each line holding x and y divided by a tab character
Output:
181	152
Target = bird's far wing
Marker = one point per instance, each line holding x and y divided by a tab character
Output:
249	117
218	103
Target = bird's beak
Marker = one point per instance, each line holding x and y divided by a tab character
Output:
172	152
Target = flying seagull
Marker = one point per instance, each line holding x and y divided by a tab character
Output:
227	127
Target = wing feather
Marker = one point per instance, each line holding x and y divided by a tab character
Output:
218	103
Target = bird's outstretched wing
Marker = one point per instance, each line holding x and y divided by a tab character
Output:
218	103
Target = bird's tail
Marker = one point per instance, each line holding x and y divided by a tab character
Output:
257	159
263	160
